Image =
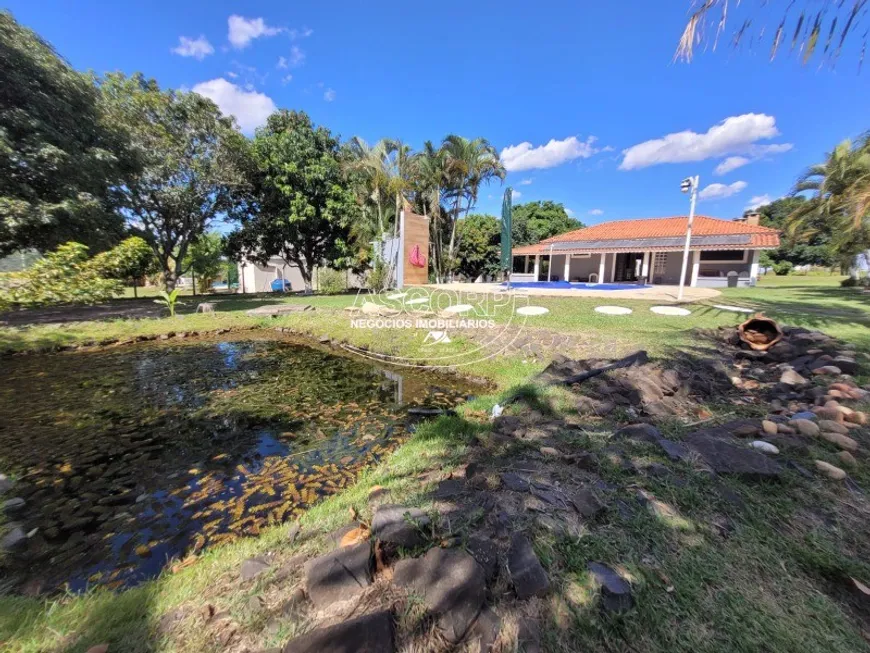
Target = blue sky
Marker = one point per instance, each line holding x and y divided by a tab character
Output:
598	82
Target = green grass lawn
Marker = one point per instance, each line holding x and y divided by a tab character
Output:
773	583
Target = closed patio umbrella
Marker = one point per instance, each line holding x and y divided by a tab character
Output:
506	222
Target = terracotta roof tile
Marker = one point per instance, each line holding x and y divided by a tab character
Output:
659	228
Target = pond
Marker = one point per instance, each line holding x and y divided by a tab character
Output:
133	456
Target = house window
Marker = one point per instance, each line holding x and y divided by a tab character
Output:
581	255
661	263
724	256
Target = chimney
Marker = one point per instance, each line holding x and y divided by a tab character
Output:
749	217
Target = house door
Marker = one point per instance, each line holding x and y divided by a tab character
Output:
627	267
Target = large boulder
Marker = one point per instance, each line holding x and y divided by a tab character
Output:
451	584
339	575
371	633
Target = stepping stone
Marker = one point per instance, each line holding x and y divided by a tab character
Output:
615	590
278	309
613	310
371	633
532	310
527	574
452	586
253	567
400	525
733	309
670	310
339	575
726	458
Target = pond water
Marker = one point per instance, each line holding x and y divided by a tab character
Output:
133	456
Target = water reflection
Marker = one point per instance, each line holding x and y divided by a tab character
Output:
130	457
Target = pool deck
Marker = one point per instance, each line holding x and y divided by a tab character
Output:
666	294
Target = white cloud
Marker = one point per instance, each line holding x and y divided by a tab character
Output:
526	182
515	194
297	56
198	48
300	33
244	30
719	191
731	163
526	157
329	95
282	62
734	135
570	212
286	79
596	212
759	200
250	108
232	75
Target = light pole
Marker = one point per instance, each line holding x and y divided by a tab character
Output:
689	185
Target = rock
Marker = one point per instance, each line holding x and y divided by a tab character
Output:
449	488
615	591
253	567
805	427
99	648
452	586
550	451
771	428
846	364
485	552
785	429
14	505
766	447
744	428
673	450
856	417
527	574
586	503
371	633
400	525
515	482
805	414
484	632
832	426
792	378
5	484
829	413
638	433
14	539
842	441
830	470
592	406
727	458
339	575
828	370
847	458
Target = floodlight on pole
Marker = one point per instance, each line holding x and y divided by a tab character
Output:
688	185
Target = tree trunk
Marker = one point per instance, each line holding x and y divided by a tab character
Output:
193	279
135	291
169	277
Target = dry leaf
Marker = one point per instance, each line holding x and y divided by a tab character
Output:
354	515
861	587
178	566
355	536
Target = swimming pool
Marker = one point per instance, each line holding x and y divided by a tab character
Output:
564	285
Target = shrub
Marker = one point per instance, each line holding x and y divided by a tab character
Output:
782	268
331	282
849	282
378	277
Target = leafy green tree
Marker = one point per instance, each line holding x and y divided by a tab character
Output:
535	221
58	153
130	260
205	259
478	250
303	204
64	276
192	164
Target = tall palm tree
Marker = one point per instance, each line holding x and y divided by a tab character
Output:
398	164
839	191
468	164
429	179
367	165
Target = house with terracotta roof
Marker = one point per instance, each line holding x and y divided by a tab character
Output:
650	251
